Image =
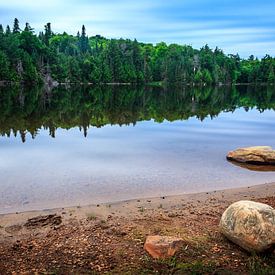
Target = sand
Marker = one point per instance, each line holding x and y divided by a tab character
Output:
110	237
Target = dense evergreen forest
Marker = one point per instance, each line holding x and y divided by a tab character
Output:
30	58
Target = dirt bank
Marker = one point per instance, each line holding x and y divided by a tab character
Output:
110	237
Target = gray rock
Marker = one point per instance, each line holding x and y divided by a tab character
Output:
249	224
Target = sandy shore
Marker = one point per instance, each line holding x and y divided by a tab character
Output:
109	237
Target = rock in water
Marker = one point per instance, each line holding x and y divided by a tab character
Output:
253	155
162	247
250	224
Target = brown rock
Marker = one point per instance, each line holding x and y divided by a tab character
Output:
253	155
249	224
161	247
40	221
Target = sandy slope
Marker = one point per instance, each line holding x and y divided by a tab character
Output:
110	237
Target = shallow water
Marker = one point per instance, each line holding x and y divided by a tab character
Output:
113	163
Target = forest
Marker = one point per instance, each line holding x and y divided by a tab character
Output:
50	57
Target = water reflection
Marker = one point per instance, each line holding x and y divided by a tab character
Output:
27	110
254	167
117	163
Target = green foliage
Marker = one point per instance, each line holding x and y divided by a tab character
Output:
271	75
198	77
48	33
4	66
26	57
261	265
175	266
16	28
84	41
207	78
8	30
1	30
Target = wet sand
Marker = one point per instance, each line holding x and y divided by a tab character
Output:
130	208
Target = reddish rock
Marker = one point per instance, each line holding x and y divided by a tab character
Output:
161	247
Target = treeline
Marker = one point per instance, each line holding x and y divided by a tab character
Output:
30	58
24	111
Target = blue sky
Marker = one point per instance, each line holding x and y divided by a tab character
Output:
246	27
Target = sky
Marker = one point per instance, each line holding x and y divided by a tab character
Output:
236	26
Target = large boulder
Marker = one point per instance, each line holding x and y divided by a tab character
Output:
162	247
250	224
253	155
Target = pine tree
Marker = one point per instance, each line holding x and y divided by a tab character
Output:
8	30
83	41
28	28
41	36
1	30
48	33
16	28
83	31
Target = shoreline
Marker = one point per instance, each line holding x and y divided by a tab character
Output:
110	237
55	84
230	192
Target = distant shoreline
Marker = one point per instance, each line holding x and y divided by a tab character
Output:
4	83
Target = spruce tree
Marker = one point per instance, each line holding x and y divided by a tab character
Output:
1	30
84	41
48	33
8	30
16	28
83	31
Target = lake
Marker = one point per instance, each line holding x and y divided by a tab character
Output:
89	145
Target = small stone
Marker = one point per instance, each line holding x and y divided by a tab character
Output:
161	247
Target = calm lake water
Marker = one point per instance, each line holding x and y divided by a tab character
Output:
83	146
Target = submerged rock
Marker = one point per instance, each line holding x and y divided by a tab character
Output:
253	155
249	224
161	247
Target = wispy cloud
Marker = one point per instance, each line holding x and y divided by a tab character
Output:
233	25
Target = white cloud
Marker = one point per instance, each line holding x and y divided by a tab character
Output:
176	21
